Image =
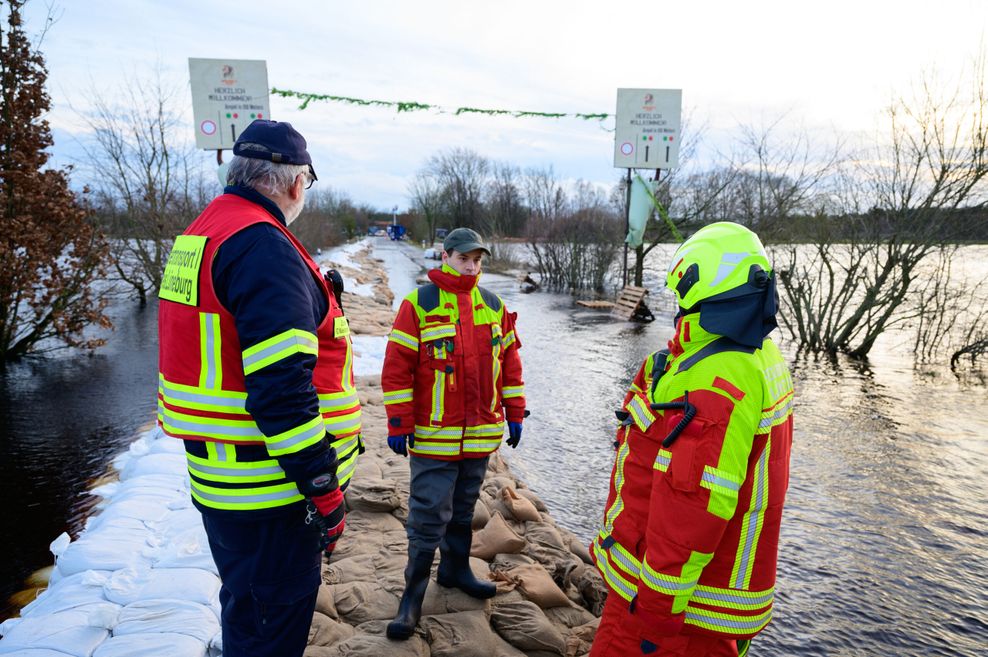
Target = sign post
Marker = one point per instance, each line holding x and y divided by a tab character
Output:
227	95
646	136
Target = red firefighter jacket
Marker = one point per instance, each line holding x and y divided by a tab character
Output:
202	393
691	531
452	373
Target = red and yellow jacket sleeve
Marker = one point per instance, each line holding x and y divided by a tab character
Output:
512	385
398	375
694	495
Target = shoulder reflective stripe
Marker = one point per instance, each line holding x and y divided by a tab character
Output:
733	598
199	399
662	460
718	346
492	300
197	425
510	392
437	332
398	396
298	438
509	339
428	297
438	394
640	412
281	346
338	402
438	432
610	515
342	425
404	339
210	372
777	415
236	499
615	581
727	623
751	525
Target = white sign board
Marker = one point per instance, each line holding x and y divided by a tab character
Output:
646	134
227	94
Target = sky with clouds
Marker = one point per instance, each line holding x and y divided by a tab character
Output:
829	67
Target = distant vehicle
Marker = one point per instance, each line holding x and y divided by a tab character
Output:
441	233
396	231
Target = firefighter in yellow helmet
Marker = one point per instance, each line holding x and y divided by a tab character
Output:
690	535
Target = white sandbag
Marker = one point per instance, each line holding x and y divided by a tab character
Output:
156	644
168	615
154	464
191	584
68	632
190	549
118	544
40	652
77	590
143	508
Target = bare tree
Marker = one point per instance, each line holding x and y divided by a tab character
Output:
461	175
858	278
505	206
148	186
427	200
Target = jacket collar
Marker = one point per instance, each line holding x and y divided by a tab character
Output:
260	199
689	335
451	280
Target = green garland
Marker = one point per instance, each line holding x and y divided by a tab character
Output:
411	106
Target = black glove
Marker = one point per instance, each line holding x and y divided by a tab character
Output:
335	283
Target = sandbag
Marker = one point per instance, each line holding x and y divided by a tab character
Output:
374	495
523	625
519	507
153	644
117	544
480	515
533	498
570	616
67	632
372	645
168	615
537	585
190	584
72	592
465	634
325	631
496	537
590	584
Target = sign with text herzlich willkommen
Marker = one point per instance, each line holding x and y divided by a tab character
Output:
647	124
227	94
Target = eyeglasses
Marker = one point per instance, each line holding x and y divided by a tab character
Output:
311	181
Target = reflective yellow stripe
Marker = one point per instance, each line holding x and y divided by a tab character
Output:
681	586
640	412
425	447
727	623
398	396
662	460
233	472
210	342
507	392
279	347
437	332
477	445
509	339
438	432
337	401
733	598
495	374
438	394
404	339
612	513
777	414
484	430
343	425
297	438
346	376
751	525
182	396
181	424
345	467
723	487
245	499
614	579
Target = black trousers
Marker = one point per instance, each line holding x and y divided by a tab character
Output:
270	573
441	492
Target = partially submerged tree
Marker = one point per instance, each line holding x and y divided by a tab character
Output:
50	256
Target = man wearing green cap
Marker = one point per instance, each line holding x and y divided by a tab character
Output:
452	377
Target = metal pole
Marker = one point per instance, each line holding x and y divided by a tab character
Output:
627	227
219	156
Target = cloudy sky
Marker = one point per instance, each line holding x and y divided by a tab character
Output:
829	67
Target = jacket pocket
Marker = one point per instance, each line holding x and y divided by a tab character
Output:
277	600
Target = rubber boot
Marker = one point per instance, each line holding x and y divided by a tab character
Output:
410	608
454	564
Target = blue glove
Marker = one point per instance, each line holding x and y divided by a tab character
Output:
514	434
397	443
648	647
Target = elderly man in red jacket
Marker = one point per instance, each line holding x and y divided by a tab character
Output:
452	376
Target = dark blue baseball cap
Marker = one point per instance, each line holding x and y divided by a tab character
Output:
276	141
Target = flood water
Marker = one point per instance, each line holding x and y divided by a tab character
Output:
884	548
